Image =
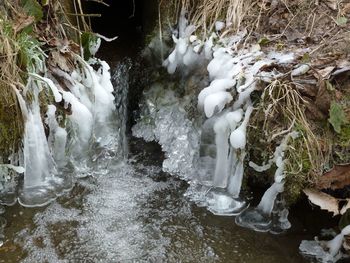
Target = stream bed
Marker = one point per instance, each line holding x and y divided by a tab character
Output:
133	212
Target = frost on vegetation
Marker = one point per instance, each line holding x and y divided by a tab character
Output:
185	52
88	98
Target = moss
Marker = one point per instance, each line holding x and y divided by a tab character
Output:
11	123
298	170
341	146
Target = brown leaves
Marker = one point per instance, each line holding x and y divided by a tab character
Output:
327	202
58	59
325	73
337	178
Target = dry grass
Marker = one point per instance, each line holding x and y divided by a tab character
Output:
204	13
282	109
21	53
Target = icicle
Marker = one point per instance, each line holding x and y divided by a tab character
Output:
81	119
57	137
259	218
235	183
221	129
238	136
38	163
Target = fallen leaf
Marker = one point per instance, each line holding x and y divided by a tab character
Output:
343	63
58	59
263	41
323	200
325	73
345	208
337	116
340	71
323	98
337	178
341	21
33	8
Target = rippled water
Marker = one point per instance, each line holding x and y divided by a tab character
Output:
134	212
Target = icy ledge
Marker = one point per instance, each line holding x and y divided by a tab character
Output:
325	251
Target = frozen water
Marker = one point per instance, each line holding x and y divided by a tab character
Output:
314	249
81	122
221	129
236	178
219	25
164	119
268	200
255	219
223	204
38	163
238	136
215	86
57	137
325	251
215	103
281	58
250	218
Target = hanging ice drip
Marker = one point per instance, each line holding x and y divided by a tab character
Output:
260	218
40	185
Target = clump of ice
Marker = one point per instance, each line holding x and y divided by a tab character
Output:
184	53
233	75
260	218
216	102
219	25
164	120
88	96
325	251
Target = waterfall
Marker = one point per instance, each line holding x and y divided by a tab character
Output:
120	80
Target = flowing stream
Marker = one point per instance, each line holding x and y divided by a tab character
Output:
128	210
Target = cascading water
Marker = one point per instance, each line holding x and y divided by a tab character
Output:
120	80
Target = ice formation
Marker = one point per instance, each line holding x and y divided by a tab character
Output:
226	103
325	251
88	96
260	218
184	53
164	119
